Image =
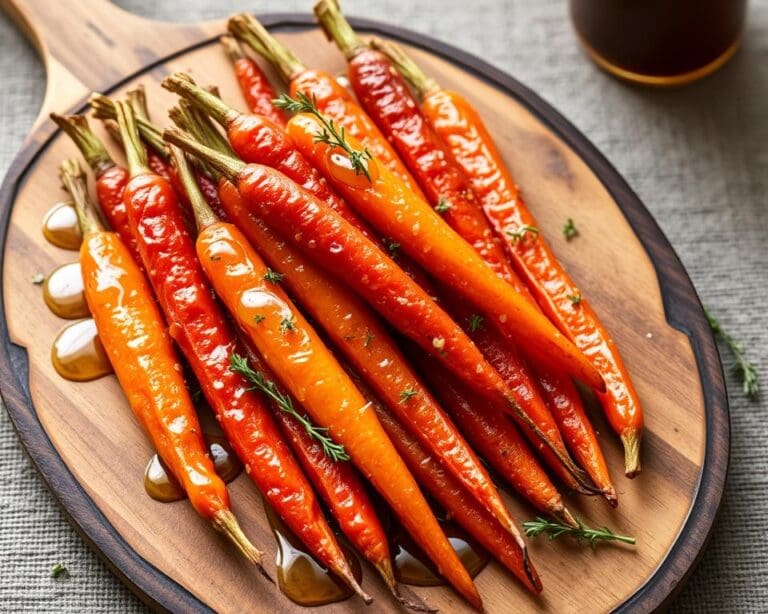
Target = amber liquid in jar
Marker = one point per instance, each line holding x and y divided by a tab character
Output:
659	42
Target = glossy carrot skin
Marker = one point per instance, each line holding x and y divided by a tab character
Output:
463	509
110	185
338	484
200	327
394	211
310	372
147	367
386	98
335	101
257	91
460	127
497	439
366	344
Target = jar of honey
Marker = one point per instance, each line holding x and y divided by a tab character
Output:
659	42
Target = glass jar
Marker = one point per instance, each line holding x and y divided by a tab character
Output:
659	42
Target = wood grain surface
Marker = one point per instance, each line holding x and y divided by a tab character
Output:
92	453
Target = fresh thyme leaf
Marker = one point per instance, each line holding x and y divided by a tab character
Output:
522	233
38	278
575	298
475	322
443	205
273	276
331	135
369	337
333	450
393	247
743	369
569	230
58	569
534	528
287	324
259	318
407	394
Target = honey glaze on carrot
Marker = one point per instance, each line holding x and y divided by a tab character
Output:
300	577
60	226
63	292
413	567
162	486
77	353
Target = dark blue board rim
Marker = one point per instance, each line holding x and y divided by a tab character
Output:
682	308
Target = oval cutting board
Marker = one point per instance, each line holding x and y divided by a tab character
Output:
91	452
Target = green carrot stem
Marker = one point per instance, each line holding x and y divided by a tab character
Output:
415	76
134	148
137	98
181	84
204	215
76	127
232	48
228	166
337	28
248	30
73	178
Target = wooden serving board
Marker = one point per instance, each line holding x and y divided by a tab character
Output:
91	452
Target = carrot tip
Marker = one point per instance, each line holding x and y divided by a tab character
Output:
611	496
565	516
631	440
225	521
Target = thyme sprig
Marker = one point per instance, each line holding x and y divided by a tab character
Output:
333	450
331	135
742	368
534	528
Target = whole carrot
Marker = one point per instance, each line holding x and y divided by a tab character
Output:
334	99
203	332
365	343
146	365
462	130
462	508
110	178
334	244
388	206
256	89
297	355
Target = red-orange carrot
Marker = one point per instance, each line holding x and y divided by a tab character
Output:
462	130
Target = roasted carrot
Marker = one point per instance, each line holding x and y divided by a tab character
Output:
462	130
462	508
256	89
334	244
110	177
385	202
146	365
365	343
331	97
385	96
203	332
296	354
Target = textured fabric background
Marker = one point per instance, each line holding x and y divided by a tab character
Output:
698	158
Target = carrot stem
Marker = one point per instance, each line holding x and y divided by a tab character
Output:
181	84
337	28
247	29
204	215
422	84
230	167
134	148
73	178
76	127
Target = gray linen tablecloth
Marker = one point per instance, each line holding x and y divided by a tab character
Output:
698	158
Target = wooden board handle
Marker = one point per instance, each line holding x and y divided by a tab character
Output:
89	45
